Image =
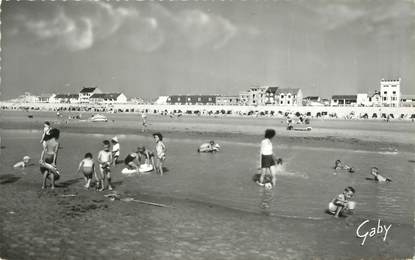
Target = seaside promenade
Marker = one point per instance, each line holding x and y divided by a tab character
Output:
348	112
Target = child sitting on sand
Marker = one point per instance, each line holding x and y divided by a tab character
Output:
145	156
24	163
342	204
105	161
87	166
339	165
377	176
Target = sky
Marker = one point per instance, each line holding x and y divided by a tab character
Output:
154	48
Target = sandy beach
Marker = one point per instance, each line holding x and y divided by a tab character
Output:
74	223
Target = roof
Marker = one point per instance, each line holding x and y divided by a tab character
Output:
221	96
344	97
44	95
67	96
87	90
287	90
272	90
312	98
106	95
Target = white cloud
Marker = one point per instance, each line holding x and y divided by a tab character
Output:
200	29
146	29
76	30
335	15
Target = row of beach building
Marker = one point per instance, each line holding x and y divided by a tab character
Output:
388	95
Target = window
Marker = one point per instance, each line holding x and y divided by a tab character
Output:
393	98
384	98
281	102
394	92
288	102
289	96
384	92
199	99
178	99
188	99
282	96
210	99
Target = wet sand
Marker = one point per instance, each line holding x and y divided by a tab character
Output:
39	224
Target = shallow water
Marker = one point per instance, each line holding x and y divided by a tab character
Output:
225	178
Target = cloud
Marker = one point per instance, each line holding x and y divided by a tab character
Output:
63	31
143	27
365	17
73	29
335	15
143	34
200	29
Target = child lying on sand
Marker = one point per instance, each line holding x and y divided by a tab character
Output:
342	204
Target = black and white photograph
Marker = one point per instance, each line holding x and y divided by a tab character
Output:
207	129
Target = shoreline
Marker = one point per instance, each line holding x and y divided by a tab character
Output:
388	138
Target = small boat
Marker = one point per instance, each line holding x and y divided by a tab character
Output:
99	118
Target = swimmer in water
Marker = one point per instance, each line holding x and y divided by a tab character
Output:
339	165
24	163
377	177
87	167
208	147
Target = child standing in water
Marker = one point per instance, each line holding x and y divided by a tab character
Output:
341	204
87	166
115	150
267	157
160	152
46	129
105	161
48	158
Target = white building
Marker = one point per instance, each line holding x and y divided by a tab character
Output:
108	98
289	97
86	93
43	98
343	100
227	100
362	100
243	97
375	100
161	100
257	96
390	91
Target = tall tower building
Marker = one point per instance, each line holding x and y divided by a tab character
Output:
390	92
